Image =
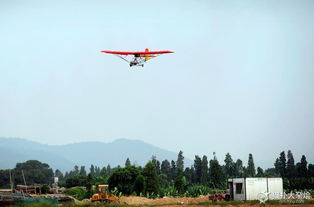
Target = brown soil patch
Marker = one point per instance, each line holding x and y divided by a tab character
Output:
166	200
189	201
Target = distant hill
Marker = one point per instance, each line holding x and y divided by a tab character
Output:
64	157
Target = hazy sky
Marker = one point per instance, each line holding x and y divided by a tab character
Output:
241	79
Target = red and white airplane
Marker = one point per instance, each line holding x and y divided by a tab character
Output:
137	58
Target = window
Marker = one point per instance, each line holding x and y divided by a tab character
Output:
239	188
103	190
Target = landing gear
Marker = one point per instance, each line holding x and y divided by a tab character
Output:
137	61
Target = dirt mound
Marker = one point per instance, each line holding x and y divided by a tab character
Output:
133	200
190	202
166	200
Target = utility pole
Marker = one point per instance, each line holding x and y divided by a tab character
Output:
11	183
24	181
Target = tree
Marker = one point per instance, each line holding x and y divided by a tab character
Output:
151	178
82	170
180	161
76	180
276	164
97	171
165	169
103	172
109	170
229	166
163	181
204	170
76	170
198	169
156	163
291	170
173	170
180	181
189	174
270	172
302	167
139	184
260	172
239	171
66	175
127	162
123	179
281	164
92	169
216	173
250	171
311	171
59	174
88	185
35	172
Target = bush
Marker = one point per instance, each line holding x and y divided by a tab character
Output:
197	190
78	193
44	189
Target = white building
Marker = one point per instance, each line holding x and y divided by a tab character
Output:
252	188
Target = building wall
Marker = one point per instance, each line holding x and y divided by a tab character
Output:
254	186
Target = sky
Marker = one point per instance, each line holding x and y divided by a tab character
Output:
241	79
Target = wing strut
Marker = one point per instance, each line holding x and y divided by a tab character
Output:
120	56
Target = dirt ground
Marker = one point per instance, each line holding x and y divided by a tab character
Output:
246	205
141	200
188	202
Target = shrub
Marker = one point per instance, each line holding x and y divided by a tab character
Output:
78	193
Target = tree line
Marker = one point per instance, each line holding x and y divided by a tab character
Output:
167	177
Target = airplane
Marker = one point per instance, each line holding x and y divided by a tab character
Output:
139	58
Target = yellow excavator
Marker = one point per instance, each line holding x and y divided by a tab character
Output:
103	195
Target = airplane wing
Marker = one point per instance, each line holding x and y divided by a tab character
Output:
137	53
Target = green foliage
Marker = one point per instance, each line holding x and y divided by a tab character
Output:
92	170
180	161
157	165
82	170
216	174
180	181
139	184
166	169
198	169
76	180
151	178
78	193
197	190
204	170
302	167
281	164
297	176
239	170
229	167
123	179
173	170
34	171
260	172
89	183
189	174
250	170
127	162
44	189
291	170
